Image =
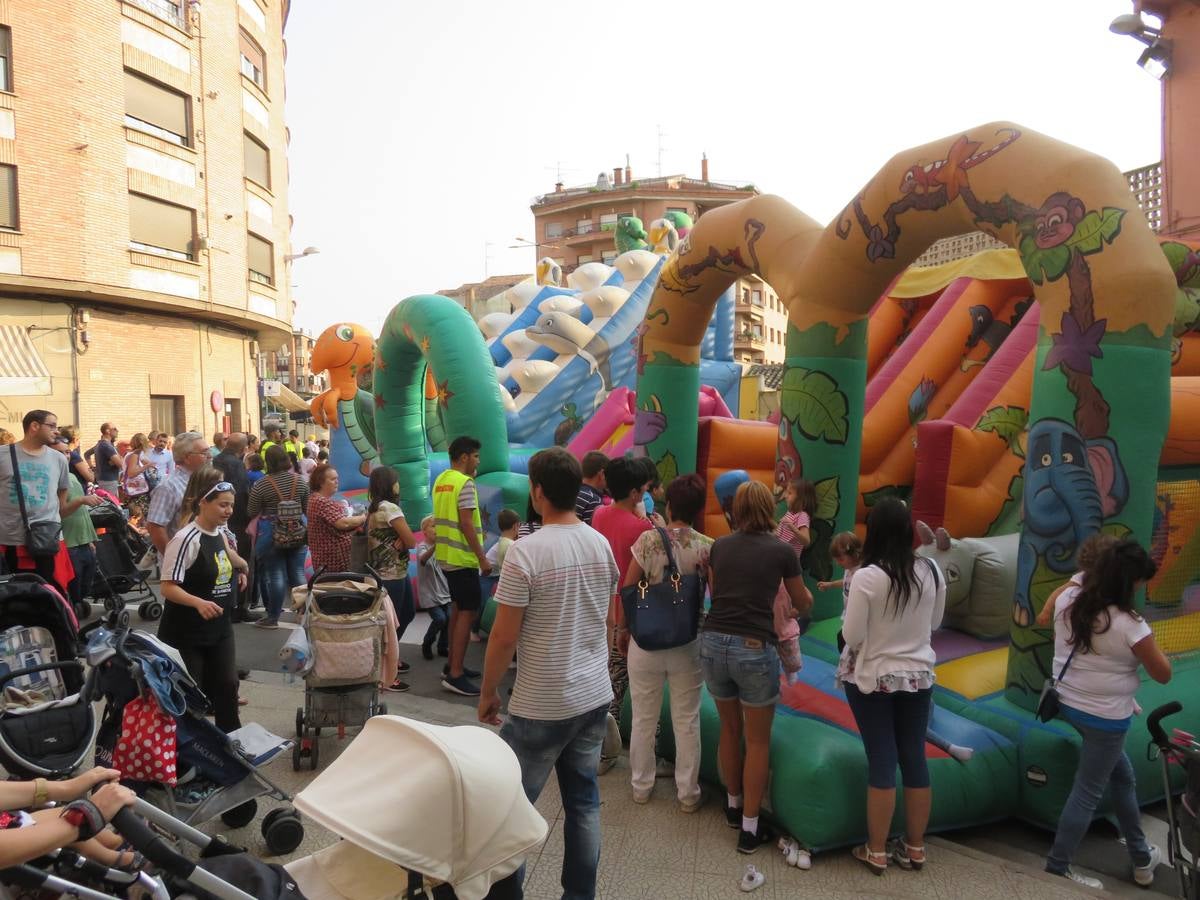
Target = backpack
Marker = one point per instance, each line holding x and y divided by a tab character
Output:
291	529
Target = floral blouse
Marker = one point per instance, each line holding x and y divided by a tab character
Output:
689	547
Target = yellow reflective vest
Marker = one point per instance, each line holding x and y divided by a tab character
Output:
452	548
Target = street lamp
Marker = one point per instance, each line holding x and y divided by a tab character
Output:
308	251
1156	58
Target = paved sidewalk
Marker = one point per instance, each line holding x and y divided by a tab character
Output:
655	851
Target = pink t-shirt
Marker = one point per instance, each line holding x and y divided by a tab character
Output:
789	528
621	528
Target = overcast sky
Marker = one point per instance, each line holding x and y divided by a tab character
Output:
421	132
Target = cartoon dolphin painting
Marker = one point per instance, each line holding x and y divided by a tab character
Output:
565	334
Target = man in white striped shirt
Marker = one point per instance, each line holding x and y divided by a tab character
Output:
553	600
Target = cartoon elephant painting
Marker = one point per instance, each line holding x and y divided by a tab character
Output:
1071	486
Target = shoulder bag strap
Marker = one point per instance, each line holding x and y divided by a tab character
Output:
295	487
1067	664
270	479
937	578
12	450
666	541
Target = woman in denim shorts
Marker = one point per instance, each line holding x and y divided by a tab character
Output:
737	651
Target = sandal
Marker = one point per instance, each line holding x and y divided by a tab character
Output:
904	855
877	862
136	861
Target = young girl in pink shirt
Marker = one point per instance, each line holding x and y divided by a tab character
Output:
794	530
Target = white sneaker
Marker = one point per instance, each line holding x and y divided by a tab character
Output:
1094	883
752	880
1144	875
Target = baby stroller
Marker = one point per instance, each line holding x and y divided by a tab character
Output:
217	772
119	549
46	724
1183	814
345	623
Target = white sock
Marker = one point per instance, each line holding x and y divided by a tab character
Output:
962	754
735	801
750	824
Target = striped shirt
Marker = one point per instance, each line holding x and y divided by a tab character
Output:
564	576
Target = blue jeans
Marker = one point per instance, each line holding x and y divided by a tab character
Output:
738	668
83	558
571	747
892	727
1102	764
438	630
400	592
278	572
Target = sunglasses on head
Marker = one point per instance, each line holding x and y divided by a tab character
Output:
221	487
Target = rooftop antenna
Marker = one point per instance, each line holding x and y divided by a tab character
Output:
661	135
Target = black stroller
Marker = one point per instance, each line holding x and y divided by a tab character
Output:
118	551
218	774
46	723
1183	814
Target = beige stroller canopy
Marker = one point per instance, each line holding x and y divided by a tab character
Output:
443	801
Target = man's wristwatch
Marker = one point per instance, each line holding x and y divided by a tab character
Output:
85	816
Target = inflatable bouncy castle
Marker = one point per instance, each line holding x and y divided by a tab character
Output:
1020	400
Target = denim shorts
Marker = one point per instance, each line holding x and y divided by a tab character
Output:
738	668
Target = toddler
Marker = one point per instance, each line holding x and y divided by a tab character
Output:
846	550
793	530
509	524
433	594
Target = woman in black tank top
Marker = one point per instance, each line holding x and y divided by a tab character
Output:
201	577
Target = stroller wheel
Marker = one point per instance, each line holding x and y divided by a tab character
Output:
274	814
284	834
154	610
240	815
314	754
299	721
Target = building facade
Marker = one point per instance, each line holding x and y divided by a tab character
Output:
760	322
144	226
574	226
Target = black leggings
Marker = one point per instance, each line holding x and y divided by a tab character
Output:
214	669
893	728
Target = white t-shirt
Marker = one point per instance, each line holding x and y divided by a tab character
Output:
847	577
565	577
886	642
1103	681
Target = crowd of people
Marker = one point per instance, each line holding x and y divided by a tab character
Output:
240	512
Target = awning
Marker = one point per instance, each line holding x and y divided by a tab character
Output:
22	372
290	400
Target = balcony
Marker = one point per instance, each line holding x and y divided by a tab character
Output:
1147	186
589	231
167	10
751	339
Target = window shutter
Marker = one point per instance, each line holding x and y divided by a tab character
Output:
156	105
260	256
160	224
8	196
257	161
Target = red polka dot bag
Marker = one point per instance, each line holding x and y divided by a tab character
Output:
147	747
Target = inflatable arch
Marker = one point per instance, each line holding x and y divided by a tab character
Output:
1101	385
433	333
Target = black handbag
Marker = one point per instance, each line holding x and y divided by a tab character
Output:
1049	705
664	615
41	538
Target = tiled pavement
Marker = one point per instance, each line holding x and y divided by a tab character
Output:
655	851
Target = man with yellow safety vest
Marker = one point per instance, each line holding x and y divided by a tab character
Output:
459	552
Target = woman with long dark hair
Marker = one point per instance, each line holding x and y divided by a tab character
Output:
388	541
1101	640
895	603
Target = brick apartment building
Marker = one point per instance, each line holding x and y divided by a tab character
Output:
144	229
574	225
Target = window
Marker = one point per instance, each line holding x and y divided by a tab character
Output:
554	229
608	219
585	258
583	226
608	255
756	298
166	413
257	160
160	227
677	209
164	9
260	258
8	197
254	65
153	108
5	58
